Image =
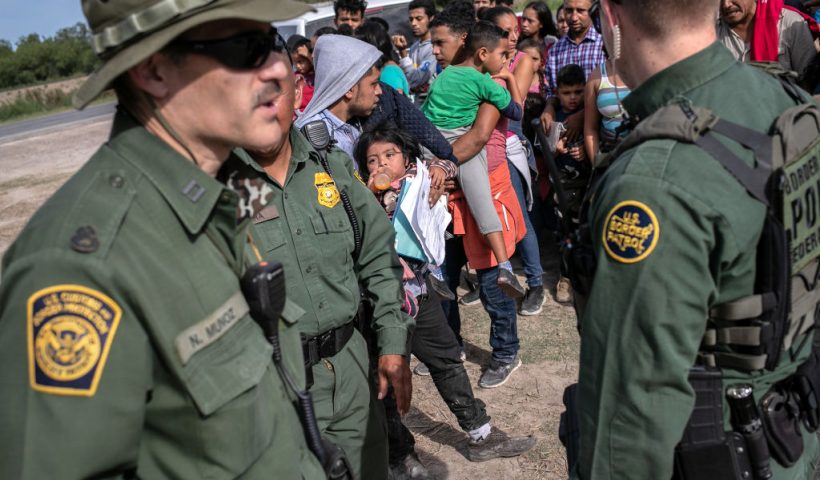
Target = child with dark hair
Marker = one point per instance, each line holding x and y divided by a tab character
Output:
393	153
574	169
452	106
319	33
301	51
433	341
535	50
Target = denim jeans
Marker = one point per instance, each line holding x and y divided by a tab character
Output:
528	246
503	316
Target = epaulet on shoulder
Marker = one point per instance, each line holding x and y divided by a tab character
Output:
89	209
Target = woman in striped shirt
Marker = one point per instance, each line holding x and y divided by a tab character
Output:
603	112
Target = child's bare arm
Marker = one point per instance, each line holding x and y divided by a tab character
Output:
512	85
548	116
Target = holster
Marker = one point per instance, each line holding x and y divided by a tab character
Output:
806	385
781	421
568	427
578	265
324	345
706	450
336	465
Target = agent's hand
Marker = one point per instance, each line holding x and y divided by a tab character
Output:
401	44
451	185
395	370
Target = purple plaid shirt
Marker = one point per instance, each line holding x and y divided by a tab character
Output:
588	54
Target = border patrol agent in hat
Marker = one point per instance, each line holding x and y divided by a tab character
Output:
675	327
127	346
312	212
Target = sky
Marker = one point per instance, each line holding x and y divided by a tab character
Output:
21	17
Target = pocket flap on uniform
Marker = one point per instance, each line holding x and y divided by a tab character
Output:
228	366
292	312
331	222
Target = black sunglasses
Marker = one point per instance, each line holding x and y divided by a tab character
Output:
246	51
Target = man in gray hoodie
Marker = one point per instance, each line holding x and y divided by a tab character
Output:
345	90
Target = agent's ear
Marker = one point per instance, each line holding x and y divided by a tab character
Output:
298	87
152	74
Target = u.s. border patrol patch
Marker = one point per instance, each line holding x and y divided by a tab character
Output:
328	194
631	232
70	330
358	176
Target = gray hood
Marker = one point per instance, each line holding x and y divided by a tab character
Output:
339	62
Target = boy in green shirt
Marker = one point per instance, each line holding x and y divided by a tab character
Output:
452	106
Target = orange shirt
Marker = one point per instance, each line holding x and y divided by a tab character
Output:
479	254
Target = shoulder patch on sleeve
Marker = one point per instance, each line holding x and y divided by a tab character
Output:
70	329
631	232
358	177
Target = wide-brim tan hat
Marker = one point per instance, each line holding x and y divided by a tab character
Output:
145	43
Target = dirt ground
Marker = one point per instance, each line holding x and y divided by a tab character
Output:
530	403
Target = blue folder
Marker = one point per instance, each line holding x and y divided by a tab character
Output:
407	244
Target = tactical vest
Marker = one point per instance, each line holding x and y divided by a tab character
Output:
751	332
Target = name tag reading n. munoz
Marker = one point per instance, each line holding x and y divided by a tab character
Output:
207	331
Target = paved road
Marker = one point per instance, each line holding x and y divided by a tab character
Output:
26	127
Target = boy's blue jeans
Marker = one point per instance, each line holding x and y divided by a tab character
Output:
500	307
503	316
528	246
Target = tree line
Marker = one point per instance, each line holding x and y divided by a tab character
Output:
40	59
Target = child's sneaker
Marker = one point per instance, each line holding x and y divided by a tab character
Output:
441	288
509	284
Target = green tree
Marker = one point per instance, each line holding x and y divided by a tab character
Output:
5	48
39	59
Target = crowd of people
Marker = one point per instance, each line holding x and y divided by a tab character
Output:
481	74
233	284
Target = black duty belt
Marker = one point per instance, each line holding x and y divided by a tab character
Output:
326	345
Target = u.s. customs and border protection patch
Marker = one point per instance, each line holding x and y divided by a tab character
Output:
631	232
328	194
70	329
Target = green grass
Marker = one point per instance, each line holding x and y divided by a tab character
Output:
38	102
34	101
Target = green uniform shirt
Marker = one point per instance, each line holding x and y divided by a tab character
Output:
125	341
457	93
303	225
674	233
